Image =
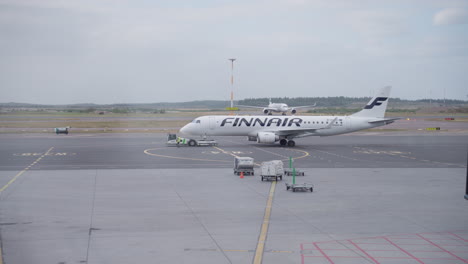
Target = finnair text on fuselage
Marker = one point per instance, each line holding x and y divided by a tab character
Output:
261	122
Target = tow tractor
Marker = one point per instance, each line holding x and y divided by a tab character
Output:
174	140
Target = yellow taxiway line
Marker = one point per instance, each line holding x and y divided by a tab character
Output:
264	231
15	178
266	218
26	169
148	152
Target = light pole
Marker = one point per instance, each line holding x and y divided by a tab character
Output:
232	83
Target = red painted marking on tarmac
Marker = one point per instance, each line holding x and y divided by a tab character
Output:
359	257
406	252
324	254
363	251
302	255
464	260
466	240
428	241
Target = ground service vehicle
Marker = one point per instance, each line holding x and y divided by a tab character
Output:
272	170
174	140
61	130
244	164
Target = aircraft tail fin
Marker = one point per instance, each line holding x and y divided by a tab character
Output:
377	105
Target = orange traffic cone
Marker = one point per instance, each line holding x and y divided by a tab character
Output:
242	175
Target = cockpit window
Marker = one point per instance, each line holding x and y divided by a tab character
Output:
197	121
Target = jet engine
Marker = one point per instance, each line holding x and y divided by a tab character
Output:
293	111
265	111
267	137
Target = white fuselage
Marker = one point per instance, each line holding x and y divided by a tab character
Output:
285	128
275	107
251	125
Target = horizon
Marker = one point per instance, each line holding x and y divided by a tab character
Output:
213	100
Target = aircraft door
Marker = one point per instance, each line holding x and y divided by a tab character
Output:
347	123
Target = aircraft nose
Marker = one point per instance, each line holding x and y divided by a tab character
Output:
186	129
183	130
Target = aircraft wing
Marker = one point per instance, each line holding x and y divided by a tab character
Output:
302	132
303	106
250	106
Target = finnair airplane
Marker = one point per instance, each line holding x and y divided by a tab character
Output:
285	128
278	108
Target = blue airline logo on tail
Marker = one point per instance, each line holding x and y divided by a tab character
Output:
377	101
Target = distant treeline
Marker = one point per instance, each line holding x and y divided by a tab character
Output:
207	104
340	101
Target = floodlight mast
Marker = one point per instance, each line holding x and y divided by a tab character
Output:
232	83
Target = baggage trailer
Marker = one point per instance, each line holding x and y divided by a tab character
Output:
272	170
289	172
244	164
271	178
174	140
303	187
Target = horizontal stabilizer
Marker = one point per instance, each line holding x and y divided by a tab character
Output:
385	120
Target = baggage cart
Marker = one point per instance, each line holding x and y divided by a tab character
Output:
289	172
302	187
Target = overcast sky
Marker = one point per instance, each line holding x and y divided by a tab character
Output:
141	51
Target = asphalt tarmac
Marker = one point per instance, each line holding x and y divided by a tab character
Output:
128	198
148	151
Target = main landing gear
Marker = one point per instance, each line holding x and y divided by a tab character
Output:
289	143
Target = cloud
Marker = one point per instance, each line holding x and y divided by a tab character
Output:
451	16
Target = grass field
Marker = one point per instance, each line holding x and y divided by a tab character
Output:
36	122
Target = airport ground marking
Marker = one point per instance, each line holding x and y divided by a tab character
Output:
404	155
23	171
14	179
34	154
336	155
147	152
226	152
305	153
239	250
432	242
231	153
264	230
